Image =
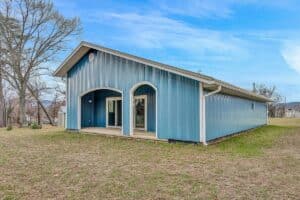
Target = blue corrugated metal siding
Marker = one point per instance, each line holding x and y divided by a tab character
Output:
227	115
150	92
177	96
87	114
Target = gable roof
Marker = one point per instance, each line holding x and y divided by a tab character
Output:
209	82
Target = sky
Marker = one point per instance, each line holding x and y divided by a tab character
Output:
237	41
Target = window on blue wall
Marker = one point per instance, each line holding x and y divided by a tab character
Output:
252	106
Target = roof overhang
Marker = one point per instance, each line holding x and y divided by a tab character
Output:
71	60
208	82
235	91
84	47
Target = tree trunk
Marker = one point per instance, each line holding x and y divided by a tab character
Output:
40	103
8	121
2	103
22	102
38	114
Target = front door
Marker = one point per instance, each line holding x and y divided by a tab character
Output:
113	112
140	112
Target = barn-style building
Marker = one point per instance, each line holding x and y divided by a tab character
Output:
112	92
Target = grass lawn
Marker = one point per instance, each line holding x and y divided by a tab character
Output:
285	121
53	164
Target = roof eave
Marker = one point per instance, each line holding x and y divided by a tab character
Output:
71	60
235	91
84	47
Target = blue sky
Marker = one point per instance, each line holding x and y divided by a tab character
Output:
237	41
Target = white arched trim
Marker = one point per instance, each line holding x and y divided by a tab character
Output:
92	90
132	90
100	88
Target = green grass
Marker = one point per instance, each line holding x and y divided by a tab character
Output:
250	143
255	141
53	164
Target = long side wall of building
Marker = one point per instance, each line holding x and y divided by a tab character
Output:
227	114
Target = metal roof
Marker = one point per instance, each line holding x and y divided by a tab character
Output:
209	82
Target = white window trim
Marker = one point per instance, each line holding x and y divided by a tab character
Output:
146	112
116	115
132	90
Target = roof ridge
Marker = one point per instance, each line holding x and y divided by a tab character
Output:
68	64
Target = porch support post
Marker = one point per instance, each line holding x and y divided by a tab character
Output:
126	129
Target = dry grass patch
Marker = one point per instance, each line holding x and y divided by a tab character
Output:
53	164
285	121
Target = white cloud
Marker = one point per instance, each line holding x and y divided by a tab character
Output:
198	8
194	8
219	8
157	31
291	55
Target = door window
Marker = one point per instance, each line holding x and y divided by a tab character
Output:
114	112
140	112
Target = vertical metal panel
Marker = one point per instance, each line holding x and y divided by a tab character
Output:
88	107
226	115
177	96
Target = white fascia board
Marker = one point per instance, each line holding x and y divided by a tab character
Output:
154	64
84	47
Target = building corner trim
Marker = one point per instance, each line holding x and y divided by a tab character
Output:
202	98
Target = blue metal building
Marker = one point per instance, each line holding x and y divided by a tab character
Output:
133	96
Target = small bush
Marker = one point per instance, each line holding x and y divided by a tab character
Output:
35	125
9	128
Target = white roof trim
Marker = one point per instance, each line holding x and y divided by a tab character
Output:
84	47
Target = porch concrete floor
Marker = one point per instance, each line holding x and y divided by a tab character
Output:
104	131
144	134
118	132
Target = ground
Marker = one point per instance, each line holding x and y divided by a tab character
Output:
53	164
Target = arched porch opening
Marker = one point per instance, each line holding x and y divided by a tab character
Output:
101	110
143	110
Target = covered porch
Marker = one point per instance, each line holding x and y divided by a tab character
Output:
102	111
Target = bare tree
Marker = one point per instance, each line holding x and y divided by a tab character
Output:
33	32
271	93
36	88
56	105
2	100
10	105
2	103
30	110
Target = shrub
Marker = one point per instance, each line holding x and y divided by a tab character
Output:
9	128
35	125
